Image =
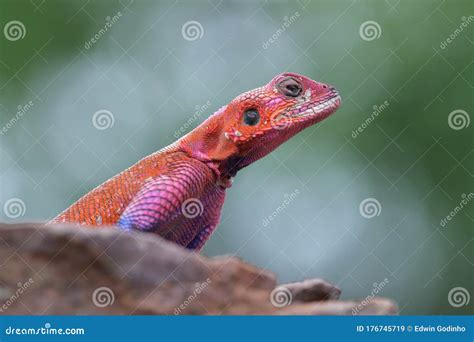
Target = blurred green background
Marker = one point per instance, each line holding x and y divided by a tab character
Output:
300	211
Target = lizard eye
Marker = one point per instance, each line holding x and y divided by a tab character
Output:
251	117
290	87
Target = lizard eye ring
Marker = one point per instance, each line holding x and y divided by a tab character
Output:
290	87
251	117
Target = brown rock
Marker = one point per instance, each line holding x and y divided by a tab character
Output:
313	290
66	269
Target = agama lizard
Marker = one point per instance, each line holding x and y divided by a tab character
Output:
178	192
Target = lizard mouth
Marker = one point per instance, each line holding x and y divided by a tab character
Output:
309	111
319	108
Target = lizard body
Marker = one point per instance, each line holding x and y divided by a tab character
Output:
178	192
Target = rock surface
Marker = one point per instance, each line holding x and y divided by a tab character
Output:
72	270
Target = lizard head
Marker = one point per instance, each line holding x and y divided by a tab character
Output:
258	121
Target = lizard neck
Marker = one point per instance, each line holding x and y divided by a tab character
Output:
208	143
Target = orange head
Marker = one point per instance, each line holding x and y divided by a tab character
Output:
258	121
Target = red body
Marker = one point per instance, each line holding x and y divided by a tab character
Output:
178	191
